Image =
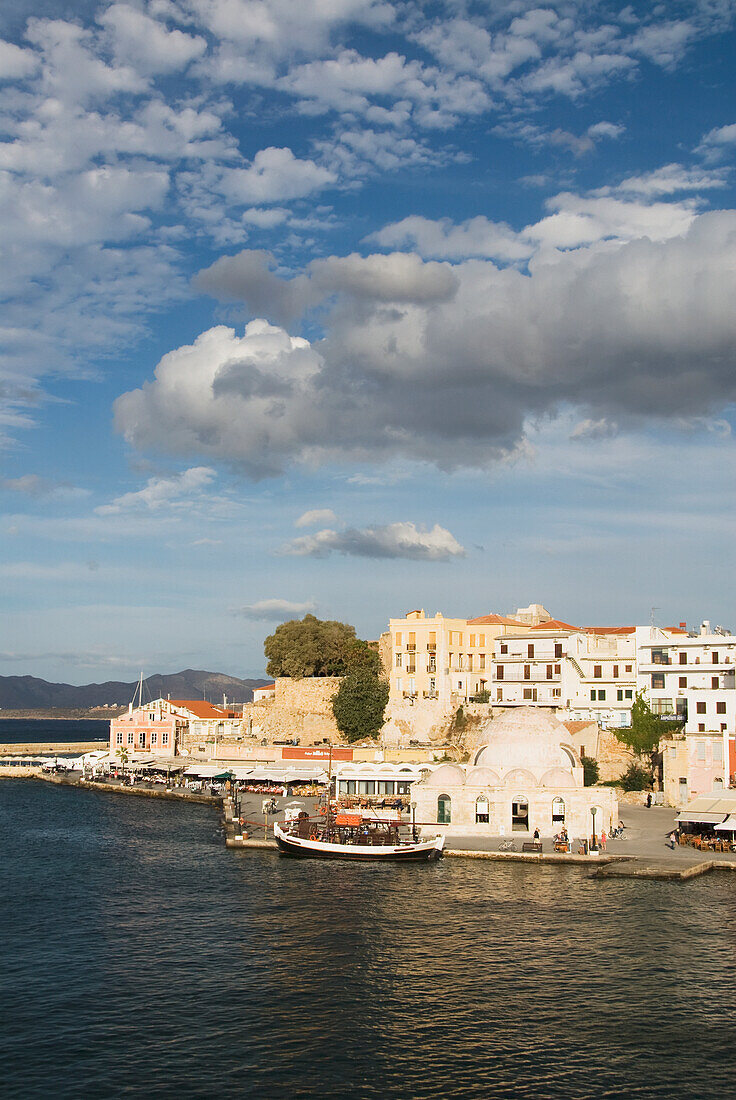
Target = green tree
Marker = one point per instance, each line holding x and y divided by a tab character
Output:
359	704
310	647
635	778
591	774
646	729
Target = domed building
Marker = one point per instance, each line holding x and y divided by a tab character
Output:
524	774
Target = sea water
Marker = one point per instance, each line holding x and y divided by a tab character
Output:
141	958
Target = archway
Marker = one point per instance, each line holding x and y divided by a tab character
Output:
520	815
444	809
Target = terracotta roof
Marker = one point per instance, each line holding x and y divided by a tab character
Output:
575	727
199	708
555	624
494	620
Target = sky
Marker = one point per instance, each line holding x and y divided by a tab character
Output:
356	306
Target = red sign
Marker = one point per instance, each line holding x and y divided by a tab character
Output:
316	753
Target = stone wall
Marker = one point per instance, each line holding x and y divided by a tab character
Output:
300	709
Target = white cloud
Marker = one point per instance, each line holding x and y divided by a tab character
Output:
451	372
33	485
275	175
16	63
162	492
668	180
475	237
276	610
717	141
146	44
315	516
396	540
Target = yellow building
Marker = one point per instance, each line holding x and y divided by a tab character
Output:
445	659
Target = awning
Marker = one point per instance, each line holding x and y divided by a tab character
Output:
727	826
699	817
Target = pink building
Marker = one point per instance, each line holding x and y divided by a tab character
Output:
158	727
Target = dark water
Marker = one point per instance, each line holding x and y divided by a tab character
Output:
141	958
21	730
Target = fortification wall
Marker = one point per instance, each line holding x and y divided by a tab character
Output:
299	709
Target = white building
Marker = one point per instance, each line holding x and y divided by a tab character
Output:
524	775
691	675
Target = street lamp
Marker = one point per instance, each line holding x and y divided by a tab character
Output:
413	822
593	812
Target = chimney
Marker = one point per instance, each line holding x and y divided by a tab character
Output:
683	626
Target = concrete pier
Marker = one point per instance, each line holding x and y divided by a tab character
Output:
50	748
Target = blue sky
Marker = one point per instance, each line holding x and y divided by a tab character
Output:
352	306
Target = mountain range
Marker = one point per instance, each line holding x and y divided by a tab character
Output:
29	692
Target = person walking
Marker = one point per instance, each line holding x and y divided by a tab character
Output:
672	840
603	839
649	800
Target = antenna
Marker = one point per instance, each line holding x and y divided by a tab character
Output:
652	616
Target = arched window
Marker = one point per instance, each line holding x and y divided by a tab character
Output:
717	784
481	810
558	811
520	815
444	809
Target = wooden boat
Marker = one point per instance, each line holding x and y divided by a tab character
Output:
354	839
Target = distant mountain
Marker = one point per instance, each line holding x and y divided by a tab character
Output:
27	692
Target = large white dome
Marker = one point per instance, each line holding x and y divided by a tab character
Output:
526	737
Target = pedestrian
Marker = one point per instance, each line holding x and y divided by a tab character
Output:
649	800
536	834
604	838
672	840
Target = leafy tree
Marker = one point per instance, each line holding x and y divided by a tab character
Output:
310	647
363	657
359	704
591	773
646	730
635	778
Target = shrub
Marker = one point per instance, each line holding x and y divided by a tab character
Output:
635	778
359	704
591	773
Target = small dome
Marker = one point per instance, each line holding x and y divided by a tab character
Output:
448	775
520	777
558	777
527	738
482	777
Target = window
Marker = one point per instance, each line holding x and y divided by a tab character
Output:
597	672
556	693
615	672
718	784
700	708
154	737
499	672
629	693
720	708
472	640
412	638
557	670
432	664
628	668
398	660
432	684
714	656
659	657
504	648
481	639
723	727
717	752
530	651
530	693
601	695
499	695
714	682
142	738
558	649
119	737
620	695
398	684
459	685
527	672
432	639
682	681
130	738
549	672
520	815
701	752
164	738
558	811
460	661
683	658
444	809
593	695
398	638
481	810
482	661
470	662
701	727
658	680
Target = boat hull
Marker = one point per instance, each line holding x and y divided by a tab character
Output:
423	852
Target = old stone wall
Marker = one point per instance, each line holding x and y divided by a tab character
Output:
300	709
613	757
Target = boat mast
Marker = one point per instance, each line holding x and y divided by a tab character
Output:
329	790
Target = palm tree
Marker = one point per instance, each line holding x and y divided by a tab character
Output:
123	754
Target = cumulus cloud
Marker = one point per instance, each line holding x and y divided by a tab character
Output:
395	540
161	492
645	328
315	517
275	610
33	485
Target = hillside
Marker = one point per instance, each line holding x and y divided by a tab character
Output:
29	692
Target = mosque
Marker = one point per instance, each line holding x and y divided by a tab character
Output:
523	774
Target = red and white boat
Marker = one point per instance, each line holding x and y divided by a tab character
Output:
353	836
